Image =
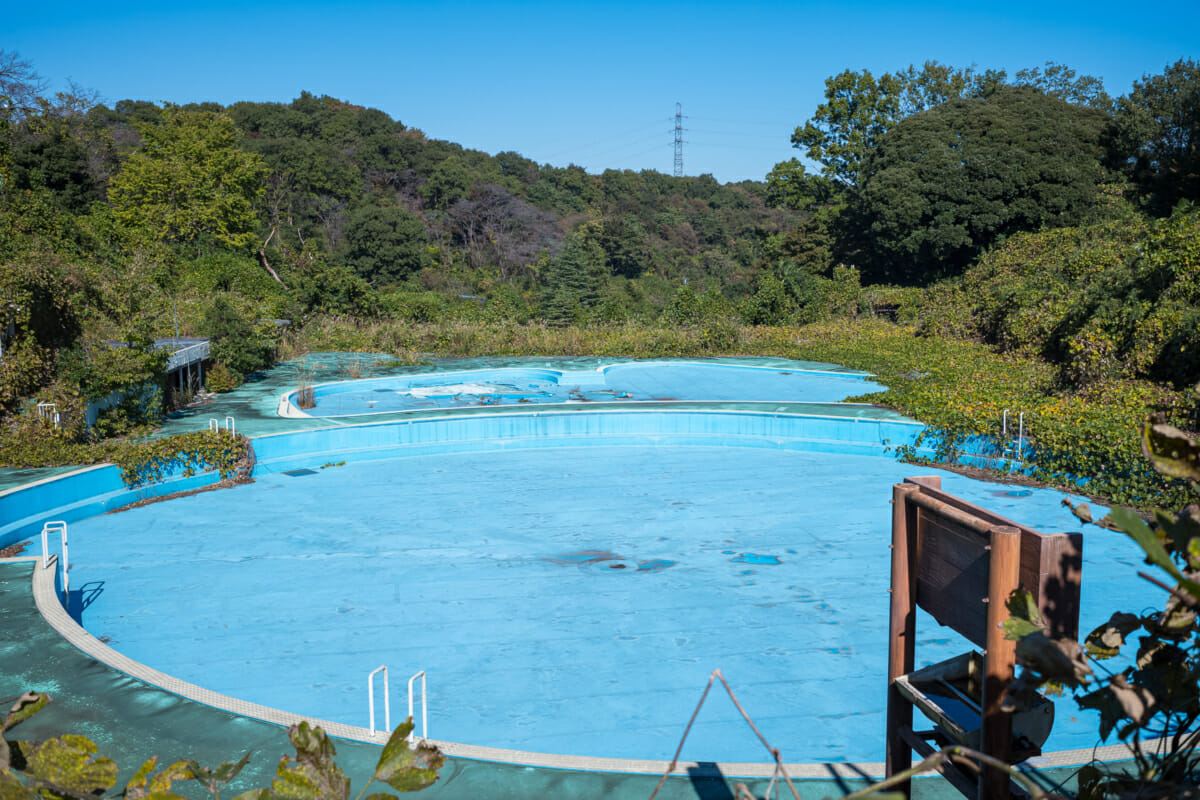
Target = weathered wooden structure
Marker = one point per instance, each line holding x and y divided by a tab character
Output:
960	563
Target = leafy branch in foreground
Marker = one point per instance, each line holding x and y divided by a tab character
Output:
69	767
1152	703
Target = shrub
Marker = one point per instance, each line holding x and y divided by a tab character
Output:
235	342
1157	696
222	379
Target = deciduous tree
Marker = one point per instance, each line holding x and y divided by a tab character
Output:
859	108
190	179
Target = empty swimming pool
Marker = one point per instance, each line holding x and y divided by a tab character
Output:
566	580
661	381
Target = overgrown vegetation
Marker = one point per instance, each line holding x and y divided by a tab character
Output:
148	461
69	766
1050	267
1153	702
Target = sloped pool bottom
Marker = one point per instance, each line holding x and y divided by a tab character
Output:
287	592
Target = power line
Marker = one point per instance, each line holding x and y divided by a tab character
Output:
631	143
727	146
740	134
741	121
607	139
656	149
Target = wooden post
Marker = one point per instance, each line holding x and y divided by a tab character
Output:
996	734
902	629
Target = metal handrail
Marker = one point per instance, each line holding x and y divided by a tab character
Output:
424	707
58	527
188	355
1019	448
387	706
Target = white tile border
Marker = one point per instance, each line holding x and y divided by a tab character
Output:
51	609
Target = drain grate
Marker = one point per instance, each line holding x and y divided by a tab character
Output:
296	473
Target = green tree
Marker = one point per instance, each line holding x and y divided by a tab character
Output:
385	245
190	179
449	181
1156	135
235	343
66	149
37	317
624	243
859	109
946	183
330	289
789	185
573	282
1059	80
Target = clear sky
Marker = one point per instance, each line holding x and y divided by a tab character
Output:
588	83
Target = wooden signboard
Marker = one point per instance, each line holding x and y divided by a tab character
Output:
960	563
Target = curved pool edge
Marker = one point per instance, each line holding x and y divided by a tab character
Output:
98	488
45	594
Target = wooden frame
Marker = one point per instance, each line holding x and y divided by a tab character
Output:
960	563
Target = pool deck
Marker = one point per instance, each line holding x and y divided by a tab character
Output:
131	720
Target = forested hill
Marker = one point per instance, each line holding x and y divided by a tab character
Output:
346	204
1036	214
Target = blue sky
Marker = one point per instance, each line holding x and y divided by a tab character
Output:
593	84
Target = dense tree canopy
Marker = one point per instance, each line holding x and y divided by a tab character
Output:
189	179
946	183
859	108
384	245
144	210
1157	134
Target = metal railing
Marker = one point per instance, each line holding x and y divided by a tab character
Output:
387	706
424	708
60	528
49	411
1019	448
188	355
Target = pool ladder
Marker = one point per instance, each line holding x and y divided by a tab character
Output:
60	528
1017	448
387	706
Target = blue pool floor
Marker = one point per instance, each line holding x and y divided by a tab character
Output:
288	591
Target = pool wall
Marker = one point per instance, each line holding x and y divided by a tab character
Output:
78	495
588	379
549	428
99	489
